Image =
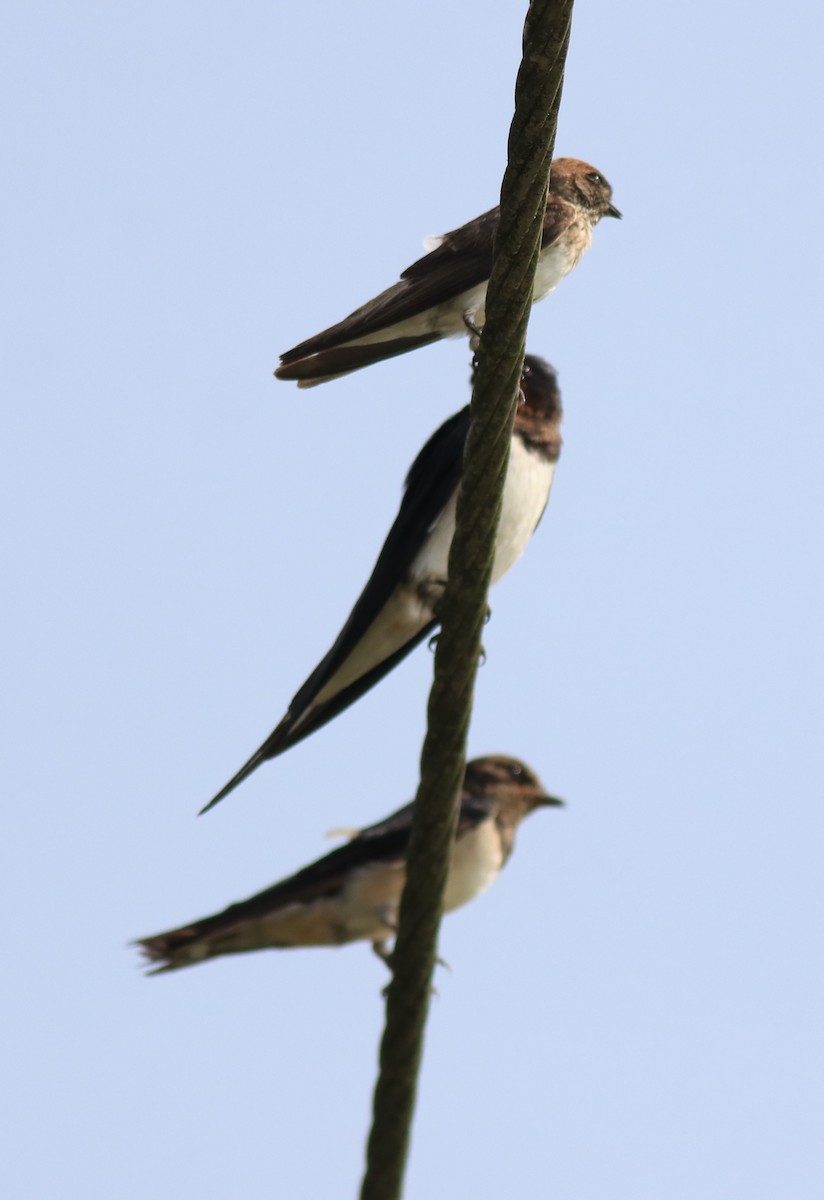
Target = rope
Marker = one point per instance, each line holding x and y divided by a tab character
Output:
464	605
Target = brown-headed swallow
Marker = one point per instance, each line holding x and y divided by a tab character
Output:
398	608
443	294
353	893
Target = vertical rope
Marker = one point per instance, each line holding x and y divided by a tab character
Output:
463	609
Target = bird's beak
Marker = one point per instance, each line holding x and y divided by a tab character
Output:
549	801
612	211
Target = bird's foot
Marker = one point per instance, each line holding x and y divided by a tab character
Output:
482	650
383	952
385	955
474	331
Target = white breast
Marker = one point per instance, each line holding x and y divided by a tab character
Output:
476	861
526	492
558	260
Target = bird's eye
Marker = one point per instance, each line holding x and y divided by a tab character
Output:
594	177
515	771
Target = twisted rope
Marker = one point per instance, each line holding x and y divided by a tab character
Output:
464	605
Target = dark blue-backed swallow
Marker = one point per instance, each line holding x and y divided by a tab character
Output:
443	294
398	607
353	893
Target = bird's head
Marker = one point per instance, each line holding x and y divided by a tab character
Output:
579	183
510	782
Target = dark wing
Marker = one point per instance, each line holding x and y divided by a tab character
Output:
461	261
342	360
432	478
463	255
384	842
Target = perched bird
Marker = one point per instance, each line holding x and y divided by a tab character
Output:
398	608
353	893
443	294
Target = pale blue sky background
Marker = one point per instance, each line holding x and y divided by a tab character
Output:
634	1011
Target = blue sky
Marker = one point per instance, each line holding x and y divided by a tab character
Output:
634	1009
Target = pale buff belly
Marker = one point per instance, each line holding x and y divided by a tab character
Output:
476	862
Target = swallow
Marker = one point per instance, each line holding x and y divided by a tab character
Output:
353	893
443	294
398	608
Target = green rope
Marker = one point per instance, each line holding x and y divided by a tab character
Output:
464	605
